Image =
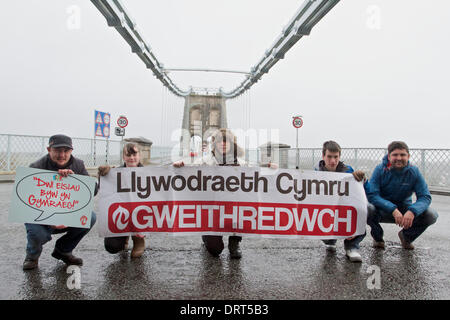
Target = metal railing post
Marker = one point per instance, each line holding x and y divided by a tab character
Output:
423	163
8	154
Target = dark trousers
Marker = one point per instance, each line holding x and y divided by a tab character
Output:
38	235
348	244
419	225
215	246
115	244
354	243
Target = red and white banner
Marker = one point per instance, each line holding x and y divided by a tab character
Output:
231	201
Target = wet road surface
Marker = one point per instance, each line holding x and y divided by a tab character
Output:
178	267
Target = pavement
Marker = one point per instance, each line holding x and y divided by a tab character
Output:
179	268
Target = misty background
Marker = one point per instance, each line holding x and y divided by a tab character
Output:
370	71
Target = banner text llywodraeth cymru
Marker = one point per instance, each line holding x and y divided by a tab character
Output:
285	184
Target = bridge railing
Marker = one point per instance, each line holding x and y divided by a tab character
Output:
434	164
21	150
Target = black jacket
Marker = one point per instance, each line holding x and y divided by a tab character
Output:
74	164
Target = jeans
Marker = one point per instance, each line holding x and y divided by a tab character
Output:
348	244
115	244
38	235
354	243
419	225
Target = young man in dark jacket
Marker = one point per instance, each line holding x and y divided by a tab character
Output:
60	159
391	186
331	161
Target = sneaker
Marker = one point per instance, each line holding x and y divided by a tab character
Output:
353	255
30	264
67	258
378	244
405	244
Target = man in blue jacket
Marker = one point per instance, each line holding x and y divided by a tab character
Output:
391	187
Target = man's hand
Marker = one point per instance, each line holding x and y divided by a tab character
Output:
65	172
178	164
103	170
398	217
59	227
408	219
358	175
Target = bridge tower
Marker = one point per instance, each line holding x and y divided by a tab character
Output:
203	114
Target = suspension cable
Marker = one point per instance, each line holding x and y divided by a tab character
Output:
301	24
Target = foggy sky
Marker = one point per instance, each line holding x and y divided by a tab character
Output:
370	72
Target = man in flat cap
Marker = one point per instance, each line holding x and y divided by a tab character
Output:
59	159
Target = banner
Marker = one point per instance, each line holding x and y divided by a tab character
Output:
44	197
231	201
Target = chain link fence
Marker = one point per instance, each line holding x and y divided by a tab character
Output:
434	164
21	150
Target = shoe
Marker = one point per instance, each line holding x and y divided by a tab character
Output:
138	247
30	264
405	244
353	255
378	244
235	250
67	258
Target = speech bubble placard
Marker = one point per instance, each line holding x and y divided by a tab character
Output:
44	197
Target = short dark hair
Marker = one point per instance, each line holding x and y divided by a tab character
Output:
130	148
397	145
331	146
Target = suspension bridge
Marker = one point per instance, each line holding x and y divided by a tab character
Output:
204	108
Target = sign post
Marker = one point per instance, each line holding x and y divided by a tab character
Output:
122	122
297	122
101	129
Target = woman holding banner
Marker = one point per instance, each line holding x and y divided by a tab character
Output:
131	158
224	152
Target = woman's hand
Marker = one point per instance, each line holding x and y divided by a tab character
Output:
103	170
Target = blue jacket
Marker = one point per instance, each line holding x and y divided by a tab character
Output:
391	189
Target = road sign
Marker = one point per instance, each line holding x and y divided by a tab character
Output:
297	122
102	124
120	131
122	121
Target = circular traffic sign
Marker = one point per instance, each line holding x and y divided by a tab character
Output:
106	131
297	122
122	121
106	118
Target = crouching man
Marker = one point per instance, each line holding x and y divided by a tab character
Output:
59	159
391	187
331	161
